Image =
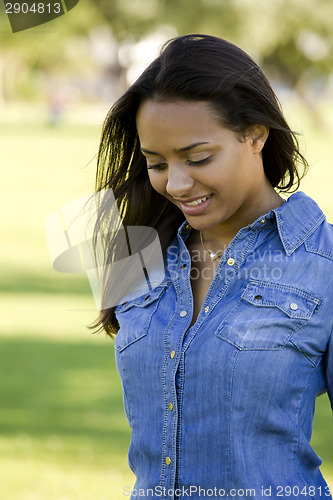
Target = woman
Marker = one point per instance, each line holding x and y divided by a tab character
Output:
221	362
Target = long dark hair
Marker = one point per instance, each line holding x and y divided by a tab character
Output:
193	68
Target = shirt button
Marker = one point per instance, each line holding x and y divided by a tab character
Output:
170	406
168	460
206	309
183	266
188	227
183	314
172	355
293	306
230	262
262	221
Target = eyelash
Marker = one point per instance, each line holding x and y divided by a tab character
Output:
162	166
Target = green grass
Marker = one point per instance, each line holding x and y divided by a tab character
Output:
62	419
63	432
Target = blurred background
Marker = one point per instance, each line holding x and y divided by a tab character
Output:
63	432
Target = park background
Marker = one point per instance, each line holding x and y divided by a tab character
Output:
63	432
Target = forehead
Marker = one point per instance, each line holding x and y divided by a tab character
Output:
183	120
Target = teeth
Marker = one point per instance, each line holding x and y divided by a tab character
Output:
197	202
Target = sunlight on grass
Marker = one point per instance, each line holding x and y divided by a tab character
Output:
57	316
40	480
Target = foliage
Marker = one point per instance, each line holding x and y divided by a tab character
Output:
293	39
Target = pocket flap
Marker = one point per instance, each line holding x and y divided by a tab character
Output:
295	302
135	315
144	299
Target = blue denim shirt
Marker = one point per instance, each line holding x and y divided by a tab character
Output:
225	408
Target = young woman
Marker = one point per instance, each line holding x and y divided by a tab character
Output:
220	363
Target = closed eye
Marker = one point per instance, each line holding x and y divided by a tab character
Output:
162	166
204	161
159	166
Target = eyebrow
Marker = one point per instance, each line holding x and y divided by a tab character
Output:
181	150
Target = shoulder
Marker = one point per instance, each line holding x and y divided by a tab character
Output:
301	221
320	242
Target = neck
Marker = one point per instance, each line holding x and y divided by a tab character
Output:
218	237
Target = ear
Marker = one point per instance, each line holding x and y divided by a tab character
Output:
258	134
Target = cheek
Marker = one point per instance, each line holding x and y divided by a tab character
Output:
234	172
158	181
225	176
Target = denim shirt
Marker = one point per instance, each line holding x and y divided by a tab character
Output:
225	408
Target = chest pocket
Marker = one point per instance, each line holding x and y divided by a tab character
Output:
134	317
267	315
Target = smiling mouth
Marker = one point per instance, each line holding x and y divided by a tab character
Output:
196	202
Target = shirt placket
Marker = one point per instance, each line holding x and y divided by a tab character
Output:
174	362
177	339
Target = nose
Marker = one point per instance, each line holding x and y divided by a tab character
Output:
180	183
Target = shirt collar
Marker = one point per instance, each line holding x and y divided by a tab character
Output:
296	220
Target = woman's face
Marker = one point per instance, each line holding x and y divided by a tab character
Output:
206	170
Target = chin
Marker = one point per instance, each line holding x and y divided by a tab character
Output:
200	225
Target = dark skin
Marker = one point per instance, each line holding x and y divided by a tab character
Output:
202	270
215	177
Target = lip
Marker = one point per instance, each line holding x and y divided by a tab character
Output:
196	209
192	199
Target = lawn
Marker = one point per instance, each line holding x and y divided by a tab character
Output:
63	432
